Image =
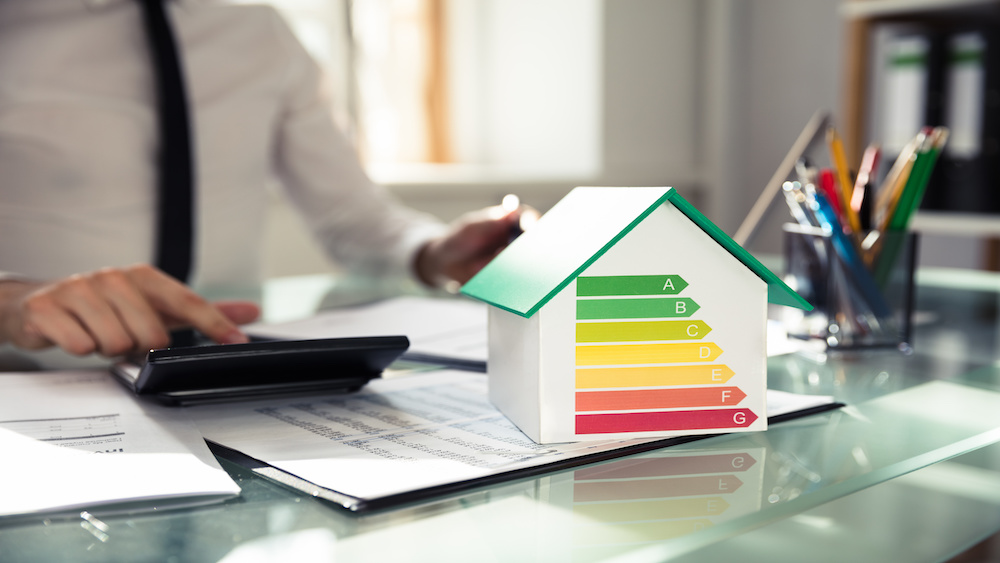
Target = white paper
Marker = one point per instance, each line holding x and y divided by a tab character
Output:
783	402
447	328
396	435
74	439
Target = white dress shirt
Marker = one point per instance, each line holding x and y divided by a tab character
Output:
78	143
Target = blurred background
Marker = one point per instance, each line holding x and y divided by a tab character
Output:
455	103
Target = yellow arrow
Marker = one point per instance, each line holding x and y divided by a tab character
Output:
617	354
652	376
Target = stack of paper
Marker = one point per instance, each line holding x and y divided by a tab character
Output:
78	439
451	332
405	439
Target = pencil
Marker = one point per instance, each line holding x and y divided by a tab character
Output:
843	177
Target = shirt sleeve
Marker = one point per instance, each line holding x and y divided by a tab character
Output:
358	223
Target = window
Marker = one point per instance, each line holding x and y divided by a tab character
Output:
495	87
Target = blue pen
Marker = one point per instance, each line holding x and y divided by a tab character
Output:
849	255
798	204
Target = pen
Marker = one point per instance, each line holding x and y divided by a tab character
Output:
828	185
861	197
509	204
892	186
864	206
869	162
916	185
849	256
911	196
796	201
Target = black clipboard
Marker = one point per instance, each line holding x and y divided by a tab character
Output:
358	505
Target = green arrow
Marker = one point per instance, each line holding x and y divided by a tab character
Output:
589	286
587	309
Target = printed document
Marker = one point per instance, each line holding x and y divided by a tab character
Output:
75	439
445	328
397	435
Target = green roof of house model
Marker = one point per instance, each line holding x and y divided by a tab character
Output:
580	229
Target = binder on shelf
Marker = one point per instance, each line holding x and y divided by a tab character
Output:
911	92
969	171
943	74
902	101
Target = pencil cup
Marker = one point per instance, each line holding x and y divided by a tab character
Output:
853	308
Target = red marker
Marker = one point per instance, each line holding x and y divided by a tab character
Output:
828	185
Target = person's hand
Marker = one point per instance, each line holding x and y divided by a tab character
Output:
113	311
472	241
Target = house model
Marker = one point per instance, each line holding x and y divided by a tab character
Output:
625	313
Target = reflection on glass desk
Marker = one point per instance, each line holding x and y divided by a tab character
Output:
908	471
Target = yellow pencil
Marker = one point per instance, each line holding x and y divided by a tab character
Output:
843	178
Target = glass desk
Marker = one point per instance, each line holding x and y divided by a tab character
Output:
909	471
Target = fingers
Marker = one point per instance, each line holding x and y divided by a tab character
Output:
113	311
176	302
473	241
43	322
83	314
137	317
238	312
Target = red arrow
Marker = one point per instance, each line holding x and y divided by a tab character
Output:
664	421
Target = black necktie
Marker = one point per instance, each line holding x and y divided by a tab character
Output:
176	183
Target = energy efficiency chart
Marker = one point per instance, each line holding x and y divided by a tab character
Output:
625	313
642	361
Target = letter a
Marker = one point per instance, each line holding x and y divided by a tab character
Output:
669	284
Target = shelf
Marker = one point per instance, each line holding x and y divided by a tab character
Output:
958	224
875	9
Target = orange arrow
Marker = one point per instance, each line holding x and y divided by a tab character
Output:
630	400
